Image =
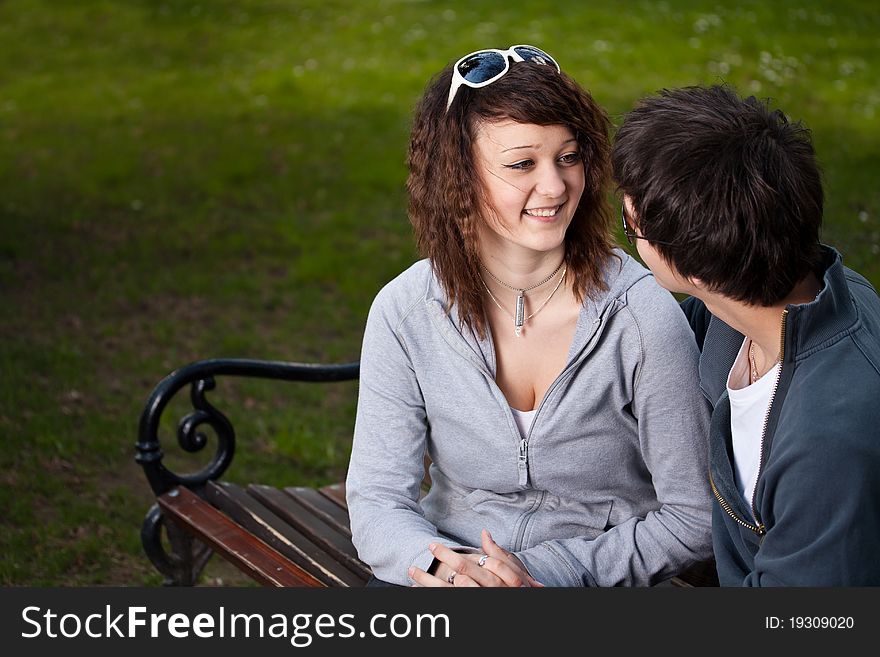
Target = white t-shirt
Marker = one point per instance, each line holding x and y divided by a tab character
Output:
748	410
524	420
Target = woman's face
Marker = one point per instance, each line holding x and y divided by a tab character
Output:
533	177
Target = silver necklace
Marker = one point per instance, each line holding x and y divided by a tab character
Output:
519	318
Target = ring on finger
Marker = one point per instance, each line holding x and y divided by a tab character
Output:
451	577
482	561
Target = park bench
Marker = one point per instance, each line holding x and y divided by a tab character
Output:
295	536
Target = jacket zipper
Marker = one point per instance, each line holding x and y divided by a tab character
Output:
758	528
517	544
523	452
523	461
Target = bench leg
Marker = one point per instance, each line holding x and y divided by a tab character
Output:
188	556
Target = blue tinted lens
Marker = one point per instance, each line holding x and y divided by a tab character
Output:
530	53
482	66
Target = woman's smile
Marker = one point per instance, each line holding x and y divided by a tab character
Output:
545	213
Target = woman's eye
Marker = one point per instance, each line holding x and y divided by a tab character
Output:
570	158
522	164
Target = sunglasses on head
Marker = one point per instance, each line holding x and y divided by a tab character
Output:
483	67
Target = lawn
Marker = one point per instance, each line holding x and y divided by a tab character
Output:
182	180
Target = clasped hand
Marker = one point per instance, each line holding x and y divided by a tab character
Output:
497	567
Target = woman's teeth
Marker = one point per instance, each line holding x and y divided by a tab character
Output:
543	212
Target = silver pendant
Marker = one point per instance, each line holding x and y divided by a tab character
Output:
519	319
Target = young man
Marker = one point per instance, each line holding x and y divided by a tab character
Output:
723	198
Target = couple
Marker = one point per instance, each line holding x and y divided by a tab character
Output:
582	429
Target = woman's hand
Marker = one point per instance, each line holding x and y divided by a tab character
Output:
497	567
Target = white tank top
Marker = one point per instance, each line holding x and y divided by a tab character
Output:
748	408
524	420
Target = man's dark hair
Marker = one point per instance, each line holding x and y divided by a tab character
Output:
733	186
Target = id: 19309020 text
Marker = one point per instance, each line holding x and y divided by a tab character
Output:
809	623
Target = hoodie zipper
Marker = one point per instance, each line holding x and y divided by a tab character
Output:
523	451
758	528
523	460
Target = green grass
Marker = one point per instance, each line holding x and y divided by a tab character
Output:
182	180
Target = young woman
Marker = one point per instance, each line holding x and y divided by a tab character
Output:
549	379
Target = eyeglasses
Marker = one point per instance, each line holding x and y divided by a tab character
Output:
483	67
631	234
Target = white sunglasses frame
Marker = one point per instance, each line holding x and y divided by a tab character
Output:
458	79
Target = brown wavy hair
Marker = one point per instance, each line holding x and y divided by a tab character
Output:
446	195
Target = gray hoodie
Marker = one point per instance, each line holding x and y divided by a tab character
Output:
608	488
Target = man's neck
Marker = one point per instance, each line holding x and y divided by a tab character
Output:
761	324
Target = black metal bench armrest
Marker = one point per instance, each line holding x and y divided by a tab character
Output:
200	375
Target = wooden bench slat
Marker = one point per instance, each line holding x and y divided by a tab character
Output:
278	533
239	546
328	511
323	534
336	493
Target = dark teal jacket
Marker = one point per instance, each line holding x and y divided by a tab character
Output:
816	514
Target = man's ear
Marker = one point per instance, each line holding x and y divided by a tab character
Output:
696	282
